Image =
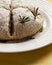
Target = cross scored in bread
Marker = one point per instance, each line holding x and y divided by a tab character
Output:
17	20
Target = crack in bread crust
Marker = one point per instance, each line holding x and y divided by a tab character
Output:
11	24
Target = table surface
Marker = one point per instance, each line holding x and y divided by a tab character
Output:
41	56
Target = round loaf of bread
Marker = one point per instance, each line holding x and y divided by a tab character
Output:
18	22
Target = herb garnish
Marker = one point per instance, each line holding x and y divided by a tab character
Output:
35	13
24	19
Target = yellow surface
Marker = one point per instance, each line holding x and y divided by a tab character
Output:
49	0
41	56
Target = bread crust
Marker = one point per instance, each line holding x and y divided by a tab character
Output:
20	30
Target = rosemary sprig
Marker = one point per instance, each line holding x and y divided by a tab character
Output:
35	13
24	19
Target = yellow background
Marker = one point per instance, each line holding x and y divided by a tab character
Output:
41	56
50	0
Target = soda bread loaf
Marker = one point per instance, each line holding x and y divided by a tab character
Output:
18	21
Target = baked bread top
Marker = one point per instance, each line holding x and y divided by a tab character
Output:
18	21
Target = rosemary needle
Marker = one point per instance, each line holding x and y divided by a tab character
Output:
35	13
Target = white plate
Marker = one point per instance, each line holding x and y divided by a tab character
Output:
41	39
